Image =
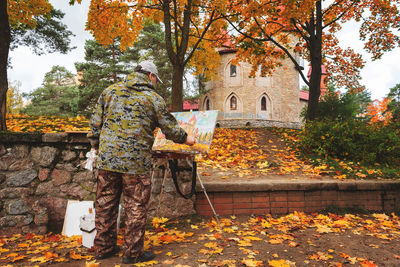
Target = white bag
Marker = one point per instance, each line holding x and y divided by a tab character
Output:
88	228
91	160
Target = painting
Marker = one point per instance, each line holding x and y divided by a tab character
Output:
199	124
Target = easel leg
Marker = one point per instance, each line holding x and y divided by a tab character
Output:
205	192
208	199
161	192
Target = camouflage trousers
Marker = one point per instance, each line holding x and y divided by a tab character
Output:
136	191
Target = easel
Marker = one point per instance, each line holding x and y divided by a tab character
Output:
190	159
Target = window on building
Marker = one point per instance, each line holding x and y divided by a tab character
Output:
233	103
207	104
233	70
263	103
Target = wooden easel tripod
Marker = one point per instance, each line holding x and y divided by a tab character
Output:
190	159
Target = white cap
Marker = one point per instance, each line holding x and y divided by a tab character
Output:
149	66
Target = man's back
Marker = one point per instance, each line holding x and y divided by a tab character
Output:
124	119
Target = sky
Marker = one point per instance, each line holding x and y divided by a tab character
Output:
29	69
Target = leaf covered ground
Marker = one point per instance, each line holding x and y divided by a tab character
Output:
296	239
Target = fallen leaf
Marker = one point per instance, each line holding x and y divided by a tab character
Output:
252	262
92	264
146	263
39	259
169	262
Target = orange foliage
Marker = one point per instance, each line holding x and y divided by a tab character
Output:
45	124
378	112
239	150
273	30
23	13
112	19
234	148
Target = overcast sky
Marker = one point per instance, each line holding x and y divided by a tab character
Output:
30	69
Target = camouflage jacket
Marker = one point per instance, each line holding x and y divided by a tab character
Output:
123	123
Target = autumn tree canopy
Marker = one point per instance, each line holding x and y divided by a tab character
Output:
273	30
34	23
192	29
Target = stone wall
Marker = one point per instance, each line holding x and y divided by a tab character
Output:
39	173
257	123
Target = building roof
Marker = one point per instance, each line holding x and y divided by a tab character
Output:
227	44
191	105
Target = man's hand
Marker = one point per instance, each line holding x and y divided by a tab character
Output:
190	141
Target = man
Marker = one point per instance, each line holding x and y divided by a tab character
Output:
122	127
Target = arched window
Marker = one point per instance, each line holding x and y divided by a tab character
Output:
233	70
263	103
233	103
206	103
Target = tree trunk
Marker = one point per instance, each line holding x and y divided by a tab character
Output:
114	74
177	89
315	90
5	40
316	61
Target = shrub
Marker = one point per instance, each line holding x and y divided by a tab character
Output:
353	140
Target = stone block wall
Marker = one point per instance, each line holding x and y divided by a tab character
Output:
281	90
257	124
39	173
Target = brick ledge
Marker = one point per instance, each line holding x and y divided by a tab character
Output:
297	185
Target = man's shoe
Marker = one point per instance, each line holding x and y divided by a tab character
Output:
145	256
108	254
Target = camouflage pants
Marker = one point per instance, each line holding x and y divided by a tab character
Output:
136	191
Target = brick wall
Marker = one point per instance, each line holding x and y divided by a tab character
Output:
283	202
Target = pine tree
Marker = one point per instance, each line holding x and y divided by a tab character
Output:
105	65
58	95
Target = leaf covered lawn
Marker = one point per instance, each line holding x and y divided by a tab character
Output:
296	239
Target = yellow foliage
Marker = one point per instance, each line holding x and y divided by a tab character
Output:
23	13
123	19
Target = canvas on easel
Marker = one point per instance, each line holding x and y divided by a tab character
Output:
199	124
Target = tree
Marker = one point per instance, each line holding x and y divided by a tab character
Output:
4	48
33	23
192	27
14	98
342	107
394	104
273	30
58	95
105	65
